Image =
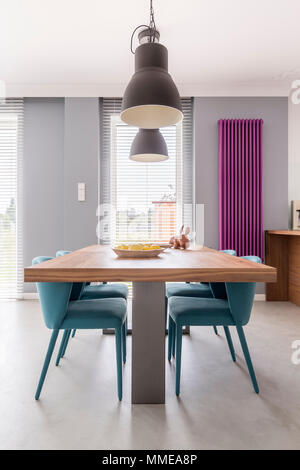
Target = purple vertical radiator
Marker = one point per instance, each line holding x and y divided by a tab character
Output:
240	186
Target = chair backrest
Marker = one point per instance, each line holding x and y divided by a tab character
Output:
54	298
78	287
62	253
229	252
255	259
241	296
218	288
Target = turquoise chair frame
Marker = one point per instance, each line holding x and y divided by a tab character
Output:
76	294
232	253
227	252
55	302
240	297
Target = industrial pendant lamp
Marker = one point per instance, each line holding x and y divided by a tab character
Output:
149	146
151	99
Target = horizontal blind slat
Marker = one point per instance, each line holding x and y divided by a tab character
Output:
11	160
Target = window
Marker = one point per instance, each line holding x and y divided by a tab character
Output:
143	201
11	144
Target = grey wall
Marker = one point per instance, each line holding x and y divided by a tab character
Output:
43	178
274	112
60	150
81	165
61	144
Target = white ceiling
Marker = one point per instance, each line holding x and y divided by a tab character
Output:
76	47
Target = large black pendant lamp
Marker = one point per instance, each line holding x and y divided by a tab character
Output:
149	146
151	99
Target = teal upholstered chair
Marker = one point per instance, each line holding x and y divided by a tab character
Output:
102	291
230	308
197	289
84	291
61	313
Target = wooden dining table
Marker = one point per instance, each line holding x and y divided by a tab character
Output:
98	263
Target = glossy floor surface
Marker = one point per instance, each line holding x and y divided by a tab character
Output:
217	408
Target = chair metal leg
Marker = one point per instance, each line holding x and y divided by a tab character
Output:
230	343
66	343
61	347
118	334
73	333
170	338
166	311
247	357
178	357
216	330
173	339
124	341
46	363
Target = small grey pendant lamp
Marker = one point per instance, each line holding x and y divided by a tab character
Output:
149	146
151	99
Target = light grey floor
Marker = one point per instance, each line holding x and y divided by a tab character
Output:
217	409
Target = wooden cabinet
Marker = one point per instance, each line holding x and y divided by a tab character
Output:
283	252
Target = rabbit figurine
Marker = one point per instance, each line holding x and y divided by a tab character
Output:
181	241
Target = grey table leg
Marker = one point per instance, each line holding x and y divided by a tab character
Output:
148	343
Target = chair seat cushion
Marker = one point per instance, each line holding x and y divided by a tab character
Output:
97	313
174	289
200	311
104	291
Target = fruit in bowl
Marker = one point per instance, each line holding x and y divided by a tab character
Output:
138	247
138	250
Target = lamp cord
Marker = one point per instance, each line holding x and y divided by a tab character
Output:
132	36
151	27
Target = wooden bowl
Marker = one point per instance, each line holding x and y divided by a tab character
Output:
138	253
163	245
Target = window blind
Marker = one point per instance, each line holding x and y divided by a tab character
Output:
143	201
11	151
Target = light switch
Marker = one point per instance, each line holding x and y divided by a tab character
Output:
81	192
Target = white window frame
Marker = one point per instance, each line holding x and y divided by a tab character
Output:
116	121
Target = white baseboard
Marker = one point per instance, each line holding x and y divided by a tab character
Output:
30	296
260	297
